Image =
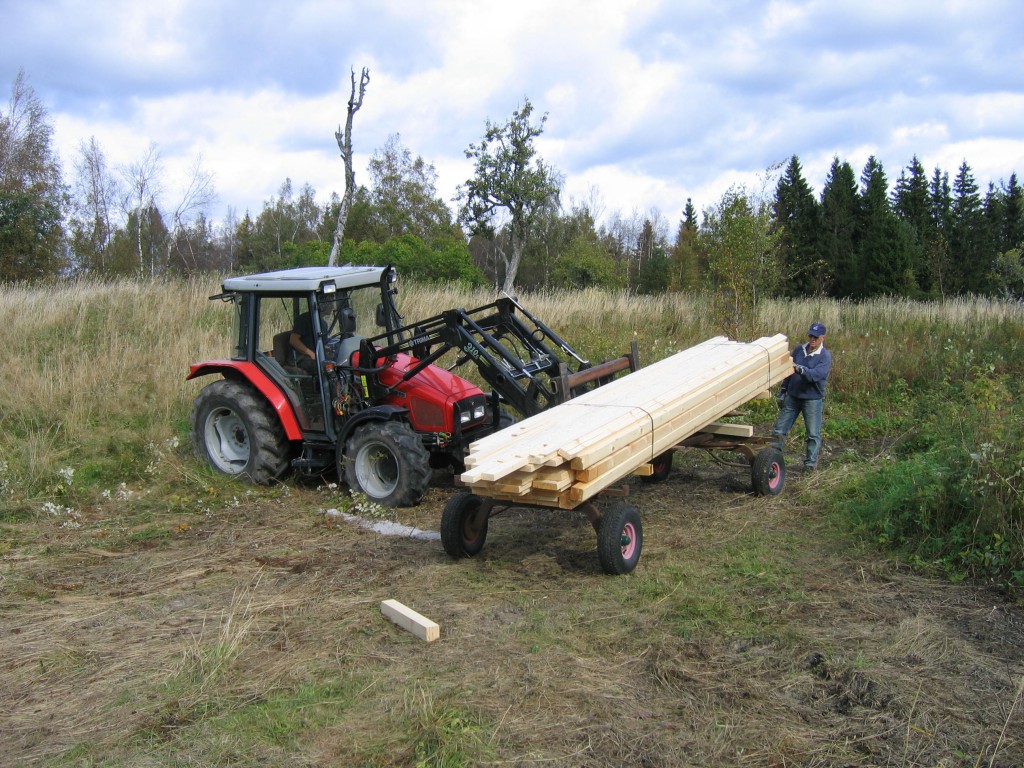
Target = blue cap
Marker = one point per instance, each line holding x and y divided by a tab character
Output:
817	329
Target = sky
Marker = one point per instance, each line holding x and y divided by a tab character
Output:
648	102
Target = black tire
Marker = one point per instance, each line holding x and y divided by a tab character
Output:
464	525
386	460
620	539
238	433
768	472
662	468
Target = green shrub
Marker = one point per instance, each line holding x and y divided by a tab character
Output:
951	492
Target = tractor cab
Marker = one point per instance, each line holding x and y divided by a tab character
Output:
290	323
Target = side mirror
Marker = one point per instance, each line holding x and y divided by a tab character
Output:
380	320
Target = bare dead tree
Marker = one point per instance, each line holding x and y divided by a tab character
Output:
344	140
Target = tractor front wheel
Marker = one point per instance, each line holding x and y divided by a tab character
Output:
387	461
238	433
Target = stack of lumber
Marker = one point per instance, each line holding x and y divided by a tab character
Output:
567	454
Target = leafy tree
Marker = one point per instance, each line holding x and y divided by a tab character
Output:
403	195
840	207
509	181
32	195
284	219
1008	275
797	216
654	267
143	240
586	263
742	253
549	244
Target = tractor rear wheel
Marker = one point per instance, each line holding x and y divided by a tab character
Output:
387	461
238	433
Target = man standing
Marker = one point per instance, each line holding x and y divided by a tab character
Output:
803	392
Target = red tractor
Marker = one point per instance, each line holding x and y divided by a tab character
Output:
309	386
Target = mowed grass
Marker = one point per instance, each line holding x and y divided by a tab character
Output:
156	613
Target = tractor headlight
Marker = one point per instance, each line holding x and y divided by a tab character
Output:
470	412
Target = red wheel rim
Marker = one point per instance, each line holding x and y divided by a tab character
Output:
774	475
628	538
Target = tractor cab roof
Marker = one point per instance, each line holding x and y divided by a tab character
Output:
305	279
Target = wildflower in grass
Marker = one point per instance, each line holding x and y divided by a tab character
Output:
362	505
66	474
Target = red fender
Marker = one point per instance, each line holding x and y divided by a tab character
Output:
234	369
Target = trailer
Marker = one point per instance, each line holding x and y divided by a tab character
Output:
464	522
577	455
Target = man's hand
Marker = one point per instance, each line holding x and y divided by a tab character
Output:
799	369
780	398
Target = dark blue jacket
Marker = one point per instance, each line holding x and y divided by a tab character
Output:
811	384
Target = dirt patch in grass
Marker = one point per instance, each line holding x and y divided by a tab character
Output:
752	633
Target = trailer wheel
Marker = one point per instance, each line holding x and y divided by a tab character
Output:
662	468
387	461
768	472
238	433
620	539
464	525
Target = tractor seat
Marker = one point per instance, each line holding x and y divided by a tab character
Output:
349	342
348	345
284	354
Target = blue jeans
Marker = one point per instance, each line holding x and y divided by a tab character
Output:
811	410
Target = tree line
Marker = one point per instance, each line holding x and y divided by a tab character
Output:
925	237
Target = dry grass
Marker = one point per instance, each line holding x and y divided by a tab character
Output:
157	614
748	636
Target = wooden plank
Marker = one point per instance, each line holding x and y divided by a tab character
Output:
624	465
728	430
409	620
614	430
553	479
590	472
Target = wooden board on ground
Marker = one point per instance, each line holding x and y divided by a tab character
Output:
409	620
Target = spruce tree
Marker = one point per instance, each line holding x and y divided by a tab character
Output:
687	271
1012	235
966	237
839	205
941	272
883	250
912	206
797	218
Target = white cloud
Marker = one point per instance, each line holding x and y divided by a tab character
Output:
650	101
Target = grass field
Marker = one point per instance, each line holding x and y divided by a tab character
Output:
156	613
